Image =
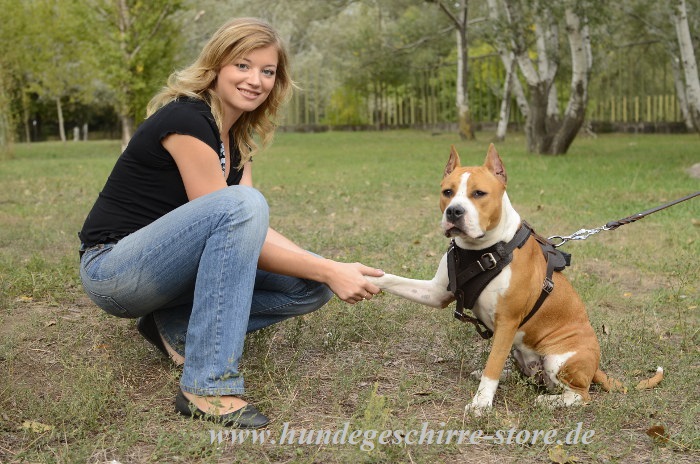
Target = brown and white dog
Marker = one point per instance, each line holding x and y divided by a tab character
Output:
557	345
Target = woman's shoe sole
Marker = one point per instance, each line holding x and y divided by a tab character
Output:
248	417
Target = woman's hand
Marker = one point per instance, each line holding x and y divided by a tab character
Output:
347	281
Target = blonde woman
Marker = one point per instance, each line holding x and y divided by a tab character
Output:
179	238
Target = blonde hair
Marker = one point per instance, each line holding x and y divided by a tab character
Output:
233	40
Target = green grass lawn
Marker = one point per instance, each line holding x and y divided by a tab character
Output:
77	385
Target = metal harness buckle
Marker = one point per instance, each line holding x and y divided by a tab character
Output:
493	263
548	285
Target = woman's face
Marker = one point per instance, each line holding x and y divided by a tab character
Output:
245	84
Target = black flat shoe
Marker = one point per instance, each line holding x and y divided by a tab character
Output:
248	417
147	328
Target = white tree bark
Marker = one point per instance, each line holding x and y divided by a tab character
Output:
581	63
679	84
690	67
511	84
61	124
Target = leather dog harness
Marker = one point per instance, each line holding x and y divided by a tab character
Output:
470	271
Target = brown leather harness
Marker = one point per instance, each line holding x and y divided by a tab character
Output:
470	271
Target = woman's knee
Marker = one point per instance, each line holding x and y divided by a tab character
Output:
322	294
243	203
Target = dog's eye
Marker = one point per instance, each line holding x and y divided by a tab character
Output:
447	193
478	194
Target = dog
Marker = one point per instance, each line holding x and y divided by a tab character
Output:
528	307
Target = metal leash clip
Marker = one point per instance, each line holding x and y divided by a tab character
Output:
581	234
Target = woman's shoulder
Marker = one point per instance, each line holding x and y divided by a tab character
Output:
183	113
185	105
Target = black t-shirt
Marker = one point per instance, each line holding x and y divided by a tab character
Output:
145	183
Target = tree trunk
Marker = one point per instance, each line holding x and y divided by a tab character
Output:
466	126
504	113
545	131
61	124
127	129
5	124
581	62
690	68
680	92
512	84
25	118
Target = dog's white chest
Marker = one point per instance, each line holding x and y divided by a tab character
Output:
485	306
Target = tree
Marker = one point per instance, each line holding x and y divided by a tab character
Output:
546	131
689	64
460	20
134	44
504	46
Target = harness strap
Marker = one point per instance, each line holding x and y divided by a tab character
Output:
471	279
470	271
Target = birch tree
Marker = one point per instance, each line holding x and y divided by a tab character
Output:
546	131
689	64
503	44
460	20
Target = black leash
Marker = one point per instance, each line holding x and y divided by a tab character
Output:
583	234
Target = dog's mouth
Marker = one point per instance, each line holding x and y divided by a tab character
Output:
452	230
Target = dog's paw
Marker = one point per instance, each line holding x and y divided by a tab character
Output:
476	375
477	410
568	398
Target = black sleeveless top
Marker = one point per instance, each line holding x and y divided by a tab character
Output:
145	183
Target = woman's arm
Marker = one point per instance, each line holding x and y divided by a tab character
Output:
346	280
282	256
197	163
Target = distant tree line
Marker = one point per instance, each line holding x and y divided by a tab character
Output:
70	68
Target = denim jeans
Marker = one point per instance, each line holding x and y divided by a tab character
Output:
196	270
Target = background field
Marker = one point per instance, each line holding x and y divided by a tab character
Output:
96	391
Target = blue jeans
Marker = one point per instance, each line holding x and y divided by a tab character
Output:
196	270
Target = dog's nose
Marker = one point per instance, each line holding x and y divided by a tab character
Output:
454	213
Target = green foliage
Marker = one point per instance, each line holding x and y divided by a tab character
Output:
133	44
346	107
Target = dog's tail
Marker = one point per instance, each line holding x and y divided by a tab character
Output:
652	381
607	383
610	384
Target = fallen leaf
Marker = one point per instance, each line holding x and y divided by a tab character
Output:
36	427
658	433
24	298
627	294
558	455
606	329
49	323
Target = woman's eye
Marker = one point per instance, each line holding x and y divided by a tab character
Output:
269	72
242	66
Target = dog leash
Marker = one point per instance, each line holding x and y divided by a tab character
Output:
583	234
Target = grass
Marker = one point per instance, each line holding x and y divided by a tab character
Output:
79	386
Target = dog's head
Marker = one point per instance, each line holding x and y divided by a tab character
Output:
472	197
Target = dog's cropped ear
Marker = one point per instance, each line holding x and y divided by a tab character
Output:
453	162
494	164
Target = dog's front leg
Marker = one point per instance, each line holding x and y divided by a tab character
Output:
503	337
427	292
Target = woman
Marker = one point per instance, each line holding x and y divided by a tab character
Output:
179	238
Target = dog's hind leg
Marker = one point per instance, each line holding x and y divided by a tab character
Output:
571	371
